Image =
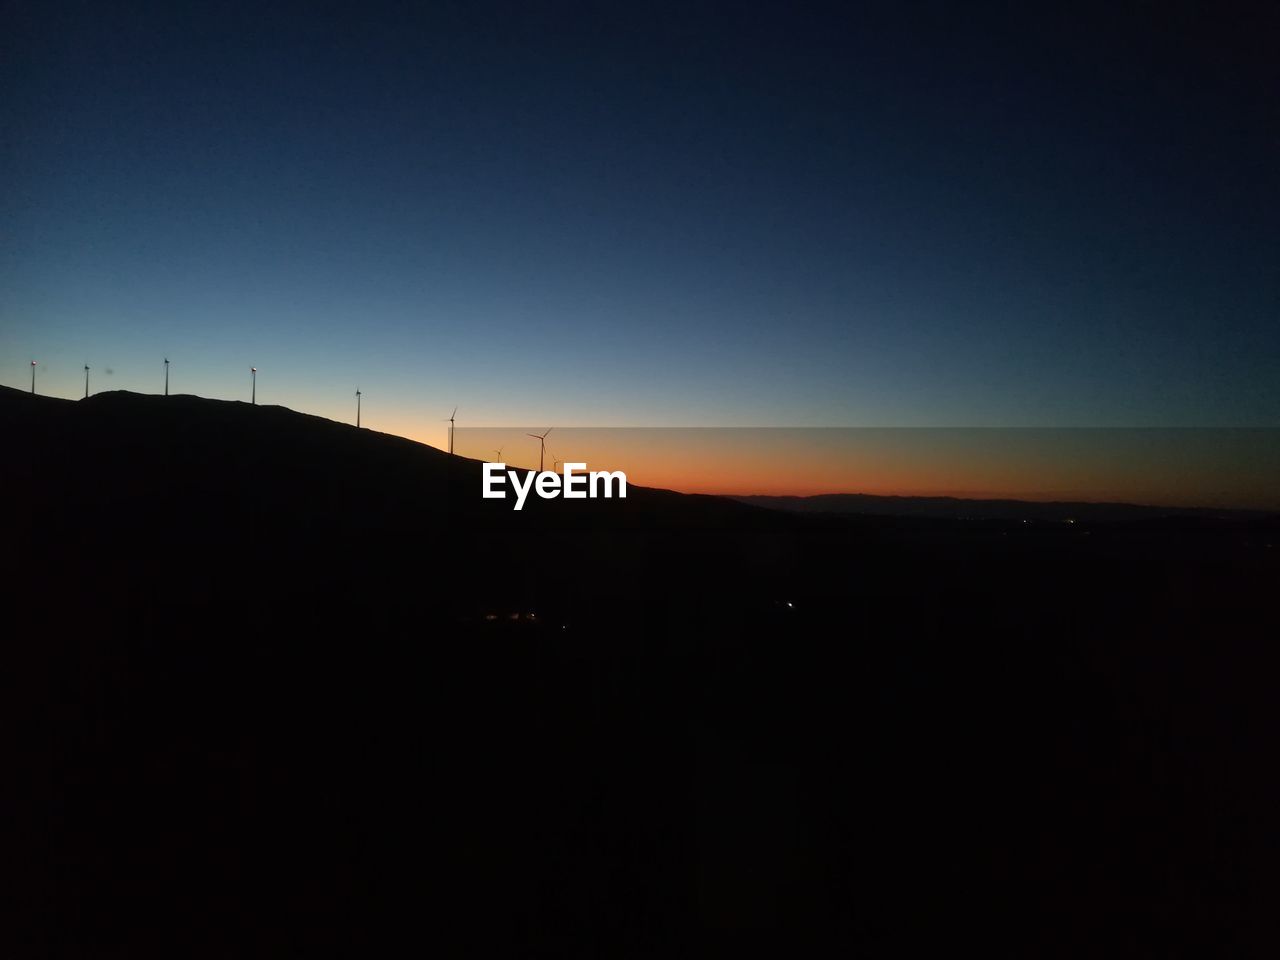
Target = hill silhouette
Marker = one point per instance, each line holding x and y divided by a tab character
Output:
260	501
277	685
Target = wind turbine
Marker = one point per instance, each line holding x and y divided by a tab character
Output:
451	416
497	455
555	464
86	381
357	408
542	450
166	376
253	395
33	378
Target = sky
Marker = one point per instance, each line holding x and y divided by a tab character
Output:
649	214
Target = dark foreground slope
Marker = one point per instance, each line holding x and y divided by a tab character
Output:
265	695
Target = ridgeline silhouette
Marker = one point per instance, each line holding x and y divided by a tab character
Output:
262	500
283	685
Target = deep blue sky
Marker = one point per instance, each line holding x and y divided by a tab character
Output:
649	214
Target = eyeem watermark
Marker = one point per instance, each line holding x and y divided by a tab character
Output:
576	484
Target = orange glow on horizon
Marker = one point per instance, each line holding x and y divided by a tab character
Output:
1223	468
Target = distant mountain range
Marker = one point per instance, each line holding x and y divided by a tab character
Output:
957	508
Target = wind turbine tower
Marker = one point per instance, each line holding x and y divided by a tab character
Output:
542	449
357	408
86	381
166	376
253	390
33	378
